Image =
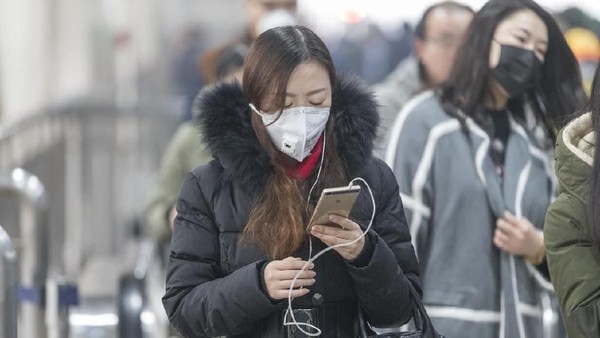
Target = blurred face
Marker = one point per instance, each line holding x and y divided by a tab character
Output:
256	9
308	86
522	29
444	32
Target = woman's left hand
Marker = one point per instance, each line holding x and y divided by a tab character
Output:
347	232
517	236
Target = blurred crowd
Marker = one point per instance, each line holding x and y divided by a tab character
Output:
434	69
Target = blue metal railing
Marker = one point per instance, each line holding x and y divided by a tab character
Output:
8	287
33	254
40	299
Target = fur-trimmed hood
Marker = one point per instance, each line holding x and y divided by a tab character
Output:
575	156
223	115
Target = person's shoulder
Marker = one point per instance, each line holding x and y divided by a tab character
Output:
405	75
376	168
421	121
187	132
422	113
205	182
426	106
209	173
188	145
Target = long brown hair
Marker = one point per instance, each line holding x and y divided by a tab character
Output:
277	223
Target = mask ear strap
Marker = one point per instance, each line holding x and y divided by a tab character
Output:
255	110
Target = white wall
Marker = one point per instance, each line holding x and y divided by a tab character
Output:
54	51
72	72
24	62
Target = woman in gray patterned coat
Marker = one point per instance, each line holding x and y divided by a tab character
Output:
475	183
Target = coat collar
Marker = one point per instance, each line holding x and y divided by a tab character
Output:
520	151
579	138
575	155
223	117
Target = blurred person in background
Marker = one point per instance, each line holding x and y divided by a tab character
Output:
438	34
475	182
241	234
262	15
184	153
572	227
574	17
366	50
187	71
585	45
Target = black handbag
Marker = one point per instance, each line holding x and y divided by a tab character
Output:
423	325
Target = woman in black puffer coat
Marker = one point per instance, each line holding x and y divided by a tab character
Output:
240	235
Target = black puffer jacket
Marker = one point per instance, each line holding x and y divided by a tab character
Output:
214	282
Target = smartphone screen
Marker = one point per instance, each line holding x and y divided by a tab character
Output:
337	201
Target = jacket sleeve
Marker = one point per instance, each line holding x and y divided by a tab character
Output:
200	300
574	264
381	284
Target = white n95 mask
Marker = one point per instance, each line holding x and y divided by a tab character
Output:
297	130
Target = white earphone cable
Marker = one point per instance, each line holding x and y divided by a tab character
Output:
290	311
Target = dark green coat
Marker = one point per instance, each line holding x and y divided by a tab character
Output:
573	260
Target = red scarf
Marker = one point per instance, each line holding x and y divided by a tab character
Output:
303	169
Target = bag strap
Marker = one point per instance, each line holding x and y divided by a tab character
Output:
426	326
421	318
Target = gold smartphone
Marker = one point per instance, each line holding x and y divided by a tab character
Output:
337	201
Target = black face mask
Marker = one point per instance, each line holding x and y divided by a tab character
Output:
518	69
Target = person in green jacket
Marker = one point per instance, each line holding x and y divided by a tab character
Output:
572	227
184	153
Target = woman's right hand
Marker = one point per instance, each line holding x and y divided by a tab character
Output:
278	277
